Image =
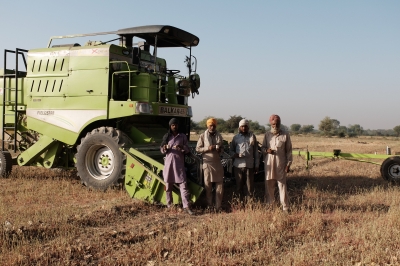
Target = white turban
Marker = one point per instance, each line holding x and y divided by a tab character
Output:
244	122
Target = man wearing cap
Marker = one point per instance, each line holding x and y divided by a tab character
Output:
277	148
174	145
210	146
244	150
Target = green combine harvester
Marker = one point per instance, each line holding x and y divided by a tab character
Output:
101	108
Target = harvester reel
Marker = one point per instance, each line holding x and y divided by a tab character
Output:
5	164
99	162
390	169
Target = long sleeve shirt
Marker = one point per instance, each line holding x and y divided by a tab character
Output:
174	165
247	147
276	163
211	159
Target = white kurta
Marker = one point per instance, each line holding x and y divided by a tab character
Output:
276	163
211	159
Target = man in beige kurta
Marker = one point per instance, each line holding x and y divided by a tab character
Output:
210	146
277	149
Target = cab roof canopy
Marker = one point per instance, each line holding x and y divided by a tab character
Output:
167	36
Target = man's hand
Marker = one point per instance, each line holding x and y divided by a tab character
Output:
211	147
287	169
270	151
236	155
179	147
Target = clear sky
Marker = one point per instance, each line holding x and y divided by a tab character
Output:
303	60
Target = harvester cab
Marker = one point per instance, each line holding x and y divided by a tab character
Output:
100	107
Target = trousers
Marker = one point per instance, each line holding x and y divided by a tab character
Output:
219	189
283	195
244	177
184	193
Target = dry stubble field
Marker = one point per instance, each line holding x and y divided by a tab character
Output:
342	213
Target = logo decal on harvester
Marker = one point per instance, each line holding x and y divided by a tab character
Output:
45	112
73	120
169	110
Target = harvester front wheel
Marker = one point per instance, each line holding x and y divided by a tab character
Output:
99	162
5	163
390	169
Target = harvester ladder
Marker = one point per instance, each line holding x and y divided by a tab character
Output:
9	100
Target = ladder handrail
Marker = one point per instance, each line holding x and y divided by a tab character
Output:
17	52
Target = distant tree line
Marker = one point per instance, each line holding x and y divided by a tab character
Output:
326	127
230	125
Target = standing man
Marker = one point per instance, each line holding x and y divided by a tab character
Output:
244	150
210	146
175	145
277	148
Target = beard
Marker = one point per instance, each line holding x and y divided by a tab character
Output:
275	130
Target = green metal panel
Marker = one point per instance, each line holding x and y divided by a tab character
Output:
48	62
34	151
10	94
171	91
64	124
143	180
138	136
51	153
121	109
144	87
88	82
89	57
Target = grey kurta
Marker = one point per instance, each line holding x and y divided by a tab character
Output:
276	163
211	159
247	147
174	165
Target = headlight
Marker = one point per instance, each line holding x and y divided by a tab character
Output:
189	111
143	108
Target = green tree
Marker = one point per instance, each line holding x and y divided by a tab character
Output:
232	124
326	125
307	128
295	128
355	130
396	129
342	131
193	125
256	127
202	125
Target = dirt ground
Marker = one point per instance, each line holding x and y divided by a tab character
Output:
48	218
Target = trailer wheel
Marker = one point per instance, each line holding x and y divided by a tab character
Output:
5	163
390	169
99	162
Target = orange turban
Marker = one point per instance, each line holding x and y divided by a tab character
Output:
211	121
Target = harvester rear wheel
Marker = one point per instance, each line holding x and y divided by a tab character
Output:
5	163
99	162
390	169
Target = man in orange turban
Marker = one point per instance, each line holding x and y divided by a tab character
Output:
211	147
211	121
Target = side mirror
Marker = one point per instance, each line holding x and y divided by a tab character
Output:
194	83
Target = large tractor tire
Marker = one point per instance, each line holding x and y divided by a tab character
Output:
5	164
390	169
99	162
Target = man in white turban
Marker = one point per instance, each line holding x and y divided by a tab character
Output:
244	151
